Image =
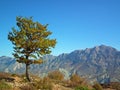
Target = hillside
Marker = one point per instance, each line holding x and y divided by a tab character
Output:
53	81
100	63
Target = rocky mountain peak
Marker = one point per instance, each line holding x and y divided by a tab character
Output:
99	63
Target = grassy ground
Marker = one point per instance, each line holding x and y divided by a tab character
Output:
54	81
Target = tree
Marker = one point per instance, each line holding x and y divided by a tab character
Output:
31	40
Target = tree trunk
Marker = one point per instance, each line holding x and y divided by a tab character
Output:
27	73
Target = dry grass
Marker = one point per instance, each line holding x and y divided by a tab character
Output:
54	81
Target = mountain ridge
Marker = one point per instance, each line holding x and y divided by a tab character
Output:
100	63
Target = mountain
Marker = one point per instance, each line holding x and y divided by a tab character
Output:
101	63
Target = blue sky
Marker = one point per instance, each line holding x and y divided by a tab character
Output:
76	24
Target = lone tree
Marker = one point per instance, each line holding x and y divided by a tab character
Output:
31	41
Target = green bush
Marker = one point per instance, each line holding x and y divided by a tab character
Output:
4	86
14	75
81	88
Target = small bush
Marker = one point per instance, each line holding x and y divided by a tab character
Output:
44	84
97	86
56	75
28	87
115	85
14	75
4	86
75	80
81	88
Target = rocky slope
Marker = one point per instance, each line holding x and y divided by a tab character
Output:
101	63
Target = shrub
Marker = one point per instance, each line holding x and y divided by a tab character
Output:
4	86
4	75
28	87
56	75
97	86
44	84
115	85
75	80
81	88
14	75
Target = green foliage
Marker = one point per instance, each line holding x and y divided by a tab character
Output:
31	41
4	86
81	88
14	75
97	86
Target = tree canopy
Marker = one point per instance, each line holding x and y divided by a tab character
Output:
31	40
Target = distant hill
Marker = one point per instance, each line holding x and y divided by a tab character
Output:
101	63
